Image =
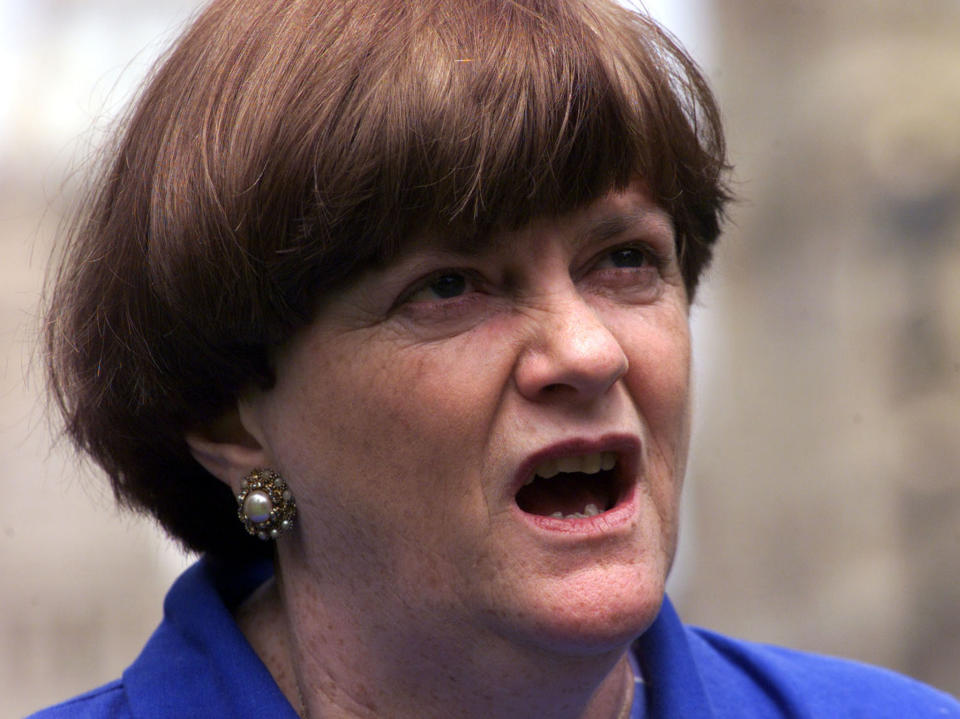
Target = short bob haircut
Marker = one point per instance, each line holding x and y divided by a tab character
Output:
281	146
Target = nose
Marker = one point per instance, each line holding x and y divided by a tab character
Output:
571	353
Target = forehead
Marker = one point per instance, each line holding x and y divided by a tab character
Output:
614	214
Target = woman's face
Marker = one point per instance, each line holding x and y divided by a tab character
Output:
445	419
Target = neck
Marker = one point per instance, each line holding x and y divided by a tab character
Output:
329	665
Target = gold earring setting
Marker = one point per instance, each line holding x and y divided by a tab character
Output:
265	504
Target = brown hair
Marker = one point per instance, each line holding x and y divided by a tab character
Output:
282	145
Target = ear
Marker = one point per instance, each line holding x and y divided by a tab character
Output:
227	448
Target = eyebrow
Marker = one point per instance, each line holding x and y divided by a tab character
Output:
615	223
607	226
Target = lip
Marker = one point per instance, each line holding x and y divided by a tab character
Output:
626	446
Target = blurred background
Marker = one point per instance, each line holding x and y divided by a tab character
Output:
823	496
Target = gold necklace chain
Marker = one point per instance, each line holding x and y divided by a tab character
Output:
631	690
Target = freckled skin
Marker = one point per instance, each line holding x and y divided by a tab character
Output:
400	427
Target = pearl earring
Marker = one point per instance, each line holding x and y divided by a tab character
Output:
265	504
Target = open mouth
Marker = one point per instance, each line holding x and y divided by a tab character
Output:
572	487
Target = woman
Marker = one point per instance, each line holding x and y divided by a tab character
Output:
383	307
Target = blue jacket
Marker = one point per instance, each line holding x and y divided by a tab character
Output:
198	664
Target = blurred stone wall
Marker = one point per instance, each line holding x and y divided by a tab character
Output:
826	476
82	586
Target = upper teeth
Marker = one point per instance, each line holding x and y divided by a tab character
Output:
586	463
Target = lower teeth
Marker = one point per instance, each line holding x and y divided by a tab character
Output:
591	510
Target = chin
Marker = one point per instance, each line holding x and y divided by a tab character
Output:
587	615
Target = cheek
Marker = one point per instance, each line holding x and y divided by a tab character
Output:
659	375
659	384
433	400
396	419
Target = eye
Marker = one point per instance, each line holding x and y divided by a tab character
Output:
444	285
448	286
635	272
630	257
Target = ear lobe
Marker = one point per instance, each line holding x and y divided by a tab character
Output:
226	449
